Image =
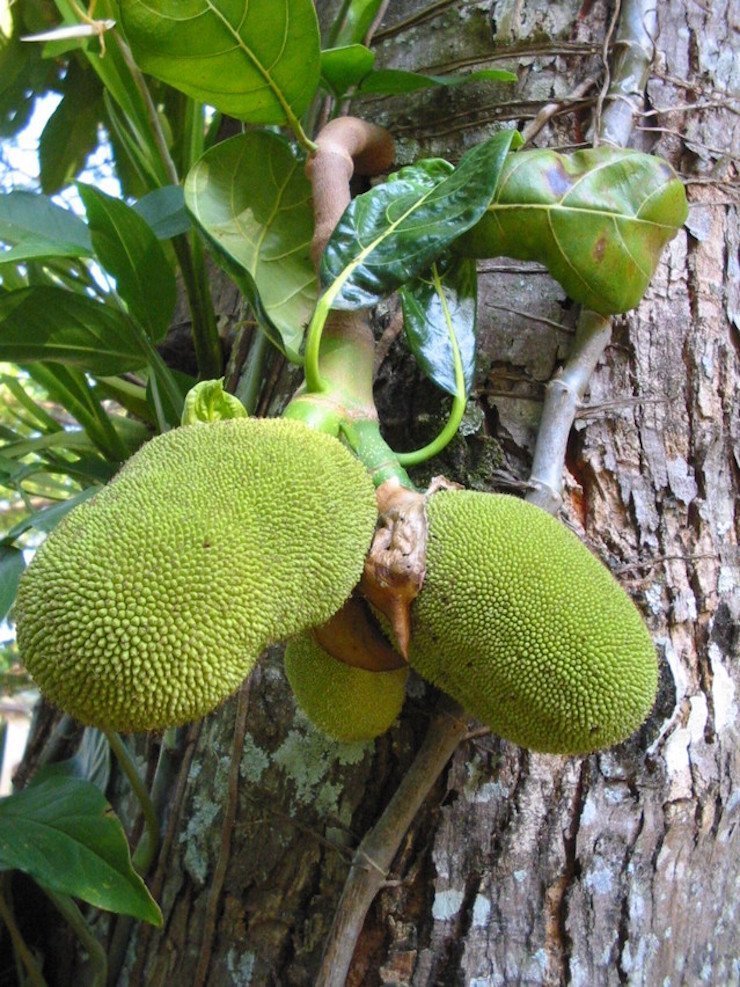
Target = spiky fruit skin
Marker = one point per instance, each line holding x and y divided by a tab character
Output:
525	628
150	603
348	704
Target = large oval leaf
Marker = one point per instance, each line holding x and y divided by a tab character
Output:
598	219
45	323
438	305
252	200
257	60
62	833
392	233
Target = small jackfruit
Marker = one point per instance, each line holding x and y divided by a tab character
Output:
150	602
346	703
525	628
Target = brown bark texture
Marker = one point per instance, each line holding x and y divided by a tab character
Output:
618	868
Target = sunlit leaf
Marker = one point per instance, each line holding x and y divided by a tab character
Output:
598	219
62	833
251	198
128	249
343	68
209	402
432	304
257	60
393	232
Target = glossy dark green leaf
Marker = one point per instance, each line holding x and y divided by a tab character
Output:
435	305
63	834
393	82
598	219
71	132
164	210
344	68
251	198
393	232
257	60
11	570
29	219
128	249
46	323
354	21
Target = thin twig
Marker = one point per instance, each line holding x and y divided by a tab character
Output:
374	856
565	392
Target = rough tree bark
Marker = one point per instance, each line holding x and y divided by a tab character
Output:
520	868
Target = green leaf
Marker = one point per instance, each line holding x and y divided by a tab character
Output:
12	566
27	218
164	210
171	397
256	60
393	82
209	402
352	65
46	323
435	304
598	219
393	232
71	132
251	198
62	833
128	249
48	517
343	68
354	21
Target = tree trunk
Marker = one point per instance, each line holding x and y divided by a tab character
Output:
520	868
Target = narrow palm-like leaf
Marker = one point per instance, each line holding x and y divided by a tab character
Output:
128	249
48	323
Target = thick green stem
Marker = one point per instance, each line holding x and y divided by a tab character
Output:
374	452
148	846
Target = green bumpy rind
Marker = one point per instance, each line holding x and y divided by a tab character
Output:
151	602
348	704
525	628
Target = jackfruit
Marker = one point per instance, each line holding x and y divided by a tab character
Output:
526	629
150	602
347	703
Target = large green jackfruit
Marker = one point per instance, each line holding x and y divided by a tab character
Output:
525	628
150	603
346	703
